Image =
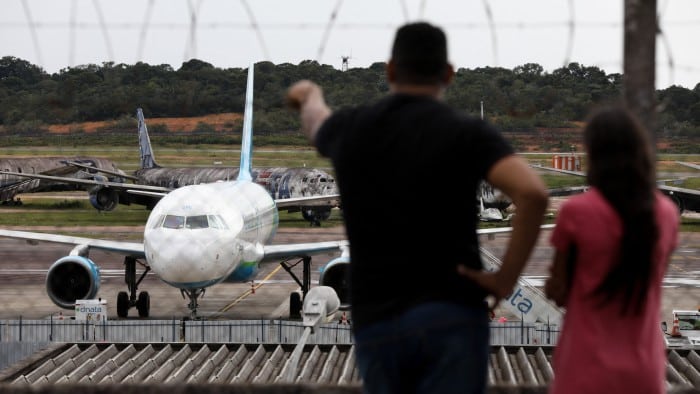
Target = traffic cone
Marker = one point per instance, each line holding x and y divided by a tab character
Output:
252	287
676	330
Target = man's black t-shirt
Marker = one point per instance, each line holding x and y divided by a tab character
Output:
408	168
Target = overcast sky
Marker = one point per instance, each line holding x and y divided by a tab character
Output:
55	34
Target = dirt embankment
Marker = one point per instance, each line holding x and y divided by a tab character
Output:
540	140
218	121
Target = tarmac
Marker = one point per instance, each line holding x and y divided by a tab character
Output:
24	267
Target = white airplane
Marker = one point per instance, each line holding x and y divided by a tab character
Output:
195	237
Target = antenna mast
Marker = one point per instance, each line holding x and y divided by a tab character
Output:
345	64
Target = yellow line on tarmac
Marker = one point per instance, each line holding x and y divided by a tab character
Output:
249	292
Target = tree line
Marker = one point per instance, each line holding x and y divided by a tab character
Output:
524	98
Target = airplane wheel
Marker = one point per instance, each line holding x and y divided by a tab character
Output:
143	304
122	304
295	305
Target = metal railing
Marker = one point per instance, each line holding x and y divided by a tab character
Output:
228	331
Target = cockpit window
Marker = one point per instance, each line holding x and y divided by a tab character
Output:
215	221
173	221
191	222
195	222
159	222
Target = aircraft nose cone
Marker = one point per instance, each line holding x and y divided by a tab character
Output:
181	258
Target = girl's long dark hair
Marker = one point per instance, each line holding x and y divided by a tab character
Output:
621	165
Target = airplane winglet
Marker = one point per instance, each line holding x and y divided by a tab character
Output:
147	158
246	167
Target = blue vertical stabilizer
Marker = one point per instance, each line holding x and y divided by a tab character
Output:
245	171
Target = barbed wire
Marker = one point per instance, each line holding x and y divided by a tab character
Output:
193	26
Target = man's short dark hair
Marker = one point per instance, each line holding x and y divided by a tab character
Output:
419	54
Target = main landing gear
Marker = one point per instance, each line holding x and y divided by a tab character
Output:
296	300
127	300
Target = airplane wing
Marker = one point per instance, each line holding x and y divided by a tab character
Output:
276	252
332	200
102	170
146	193
671	190
92	182
685	199
582	174
133	249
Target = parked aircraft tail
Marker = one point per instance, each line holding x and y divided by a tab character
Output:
147	158
245	171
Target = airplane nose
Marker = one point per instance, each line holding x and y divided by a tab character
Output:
180	258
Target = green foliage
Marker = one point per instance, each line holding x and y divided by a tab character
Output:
520	99
28	127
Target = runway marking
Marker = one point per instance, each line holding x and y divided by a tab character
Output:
248	292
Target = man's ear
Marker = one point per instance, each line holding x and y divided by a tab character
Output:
391	71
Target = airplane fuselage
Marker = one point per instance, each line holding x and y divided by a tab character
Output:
280	182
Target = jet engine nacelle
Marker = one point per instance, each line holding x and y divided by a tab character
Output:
336	274
72	278
104	198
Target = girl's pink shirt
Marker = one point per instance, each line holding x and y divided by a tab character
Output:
599	349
